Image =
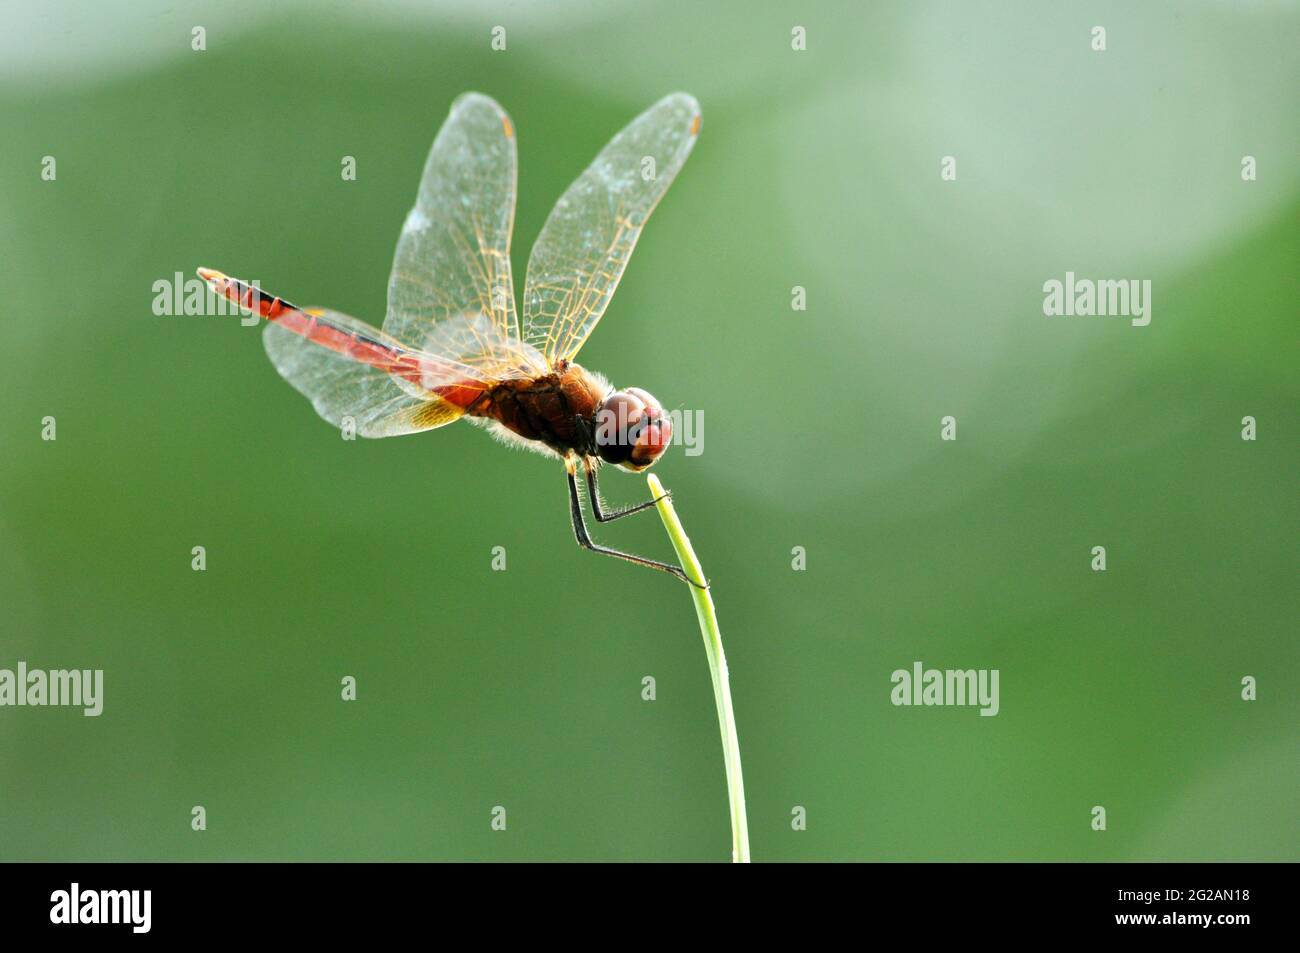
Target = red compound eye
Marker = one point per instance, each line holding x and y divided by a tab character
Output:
631	429
655	436
646	398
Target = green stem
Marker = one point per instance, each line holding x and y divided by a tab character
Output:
717	669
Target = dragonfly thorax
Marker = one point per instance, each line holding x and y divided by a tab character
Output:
573	411
554	411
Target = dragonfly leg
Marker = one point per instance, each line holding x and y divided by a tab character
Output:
598	507
585	541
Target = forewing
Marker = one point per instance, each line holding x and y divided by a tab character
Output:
375	395
481	350
585	244
453	256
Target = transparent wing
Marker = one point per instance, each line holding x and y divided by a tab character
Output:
348	369
453	256
585	244
481	351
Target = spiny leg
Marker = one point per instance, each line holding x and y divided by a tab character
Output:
585	541
597	507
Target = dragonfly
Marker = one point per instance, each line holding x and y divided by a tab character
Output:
454	346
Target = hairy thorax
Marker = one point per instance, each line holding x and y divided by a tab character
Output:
557	409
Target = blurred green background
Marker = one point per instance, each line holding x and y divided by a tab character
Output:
522	688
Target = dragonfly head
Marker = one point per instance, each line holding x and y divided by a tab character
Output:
632	429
